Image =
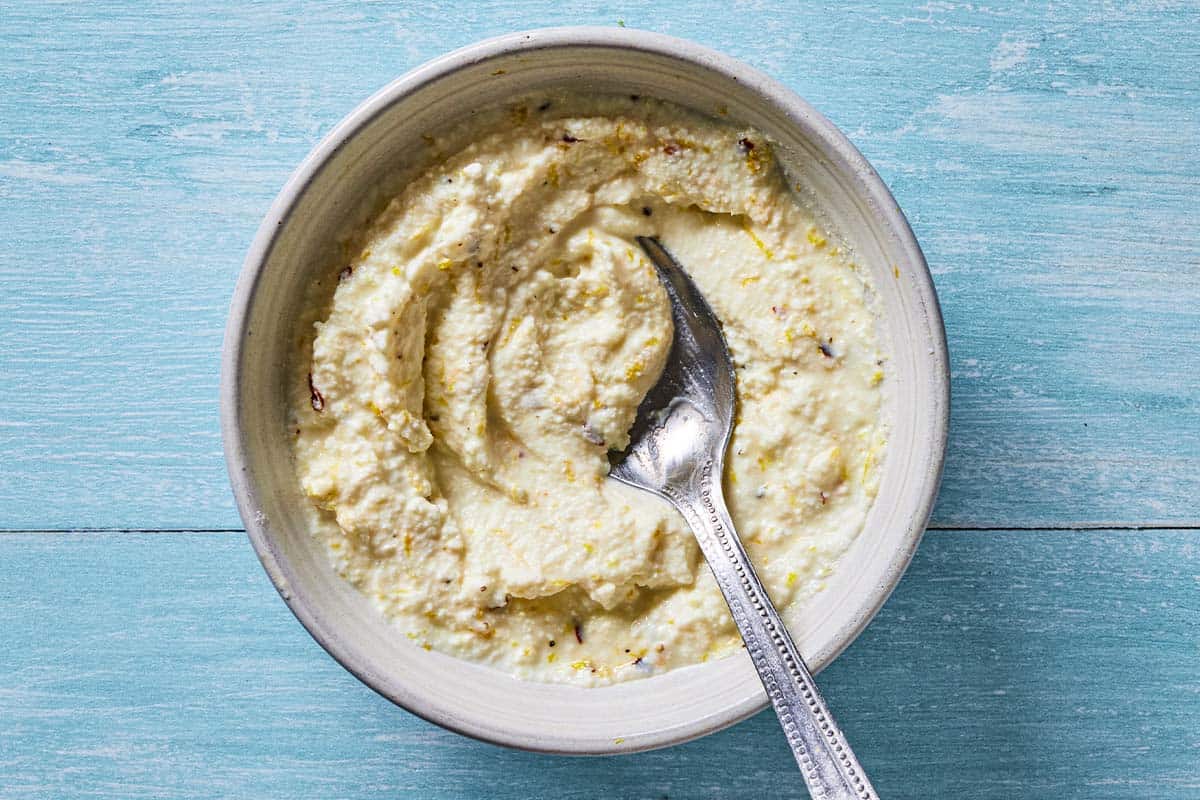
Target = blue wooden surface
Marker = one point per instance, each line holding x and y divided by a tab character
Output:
1068	672
1047	156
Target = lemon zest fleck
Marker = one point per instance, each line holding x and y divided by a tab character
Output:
759	243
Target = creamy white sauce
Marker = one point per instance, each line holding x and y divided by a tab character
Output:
490	340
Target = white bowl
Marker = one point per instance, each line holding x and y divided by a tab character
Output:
296	246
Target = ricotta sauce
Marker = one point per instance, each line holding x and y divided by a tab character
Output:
489	340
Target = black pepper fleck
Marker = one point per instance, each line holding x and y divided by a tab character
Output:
646	210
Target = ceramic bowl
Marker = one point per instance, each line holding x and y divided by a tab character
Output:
297	245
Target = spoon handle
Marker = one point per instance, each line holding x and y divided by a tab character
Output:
826	761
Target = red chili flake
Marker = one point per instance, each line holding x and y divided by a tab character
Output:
578	633
671	148
569	139
315	397
745	145
346	273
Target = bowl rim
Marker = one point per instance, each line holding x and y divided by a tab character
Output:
815	127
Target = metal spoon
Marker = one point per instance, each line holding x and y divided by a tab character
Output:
677	451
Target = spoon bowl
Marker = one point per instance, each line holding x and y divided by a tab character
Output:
689	411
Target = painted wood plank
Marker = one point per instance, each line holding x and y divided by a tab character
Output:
1014	664
1046	156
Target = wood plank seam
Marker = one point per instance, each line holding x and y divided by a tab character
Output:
939	527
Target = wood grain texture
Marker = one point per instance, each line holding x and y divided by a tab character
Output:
1046	157
1014	664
